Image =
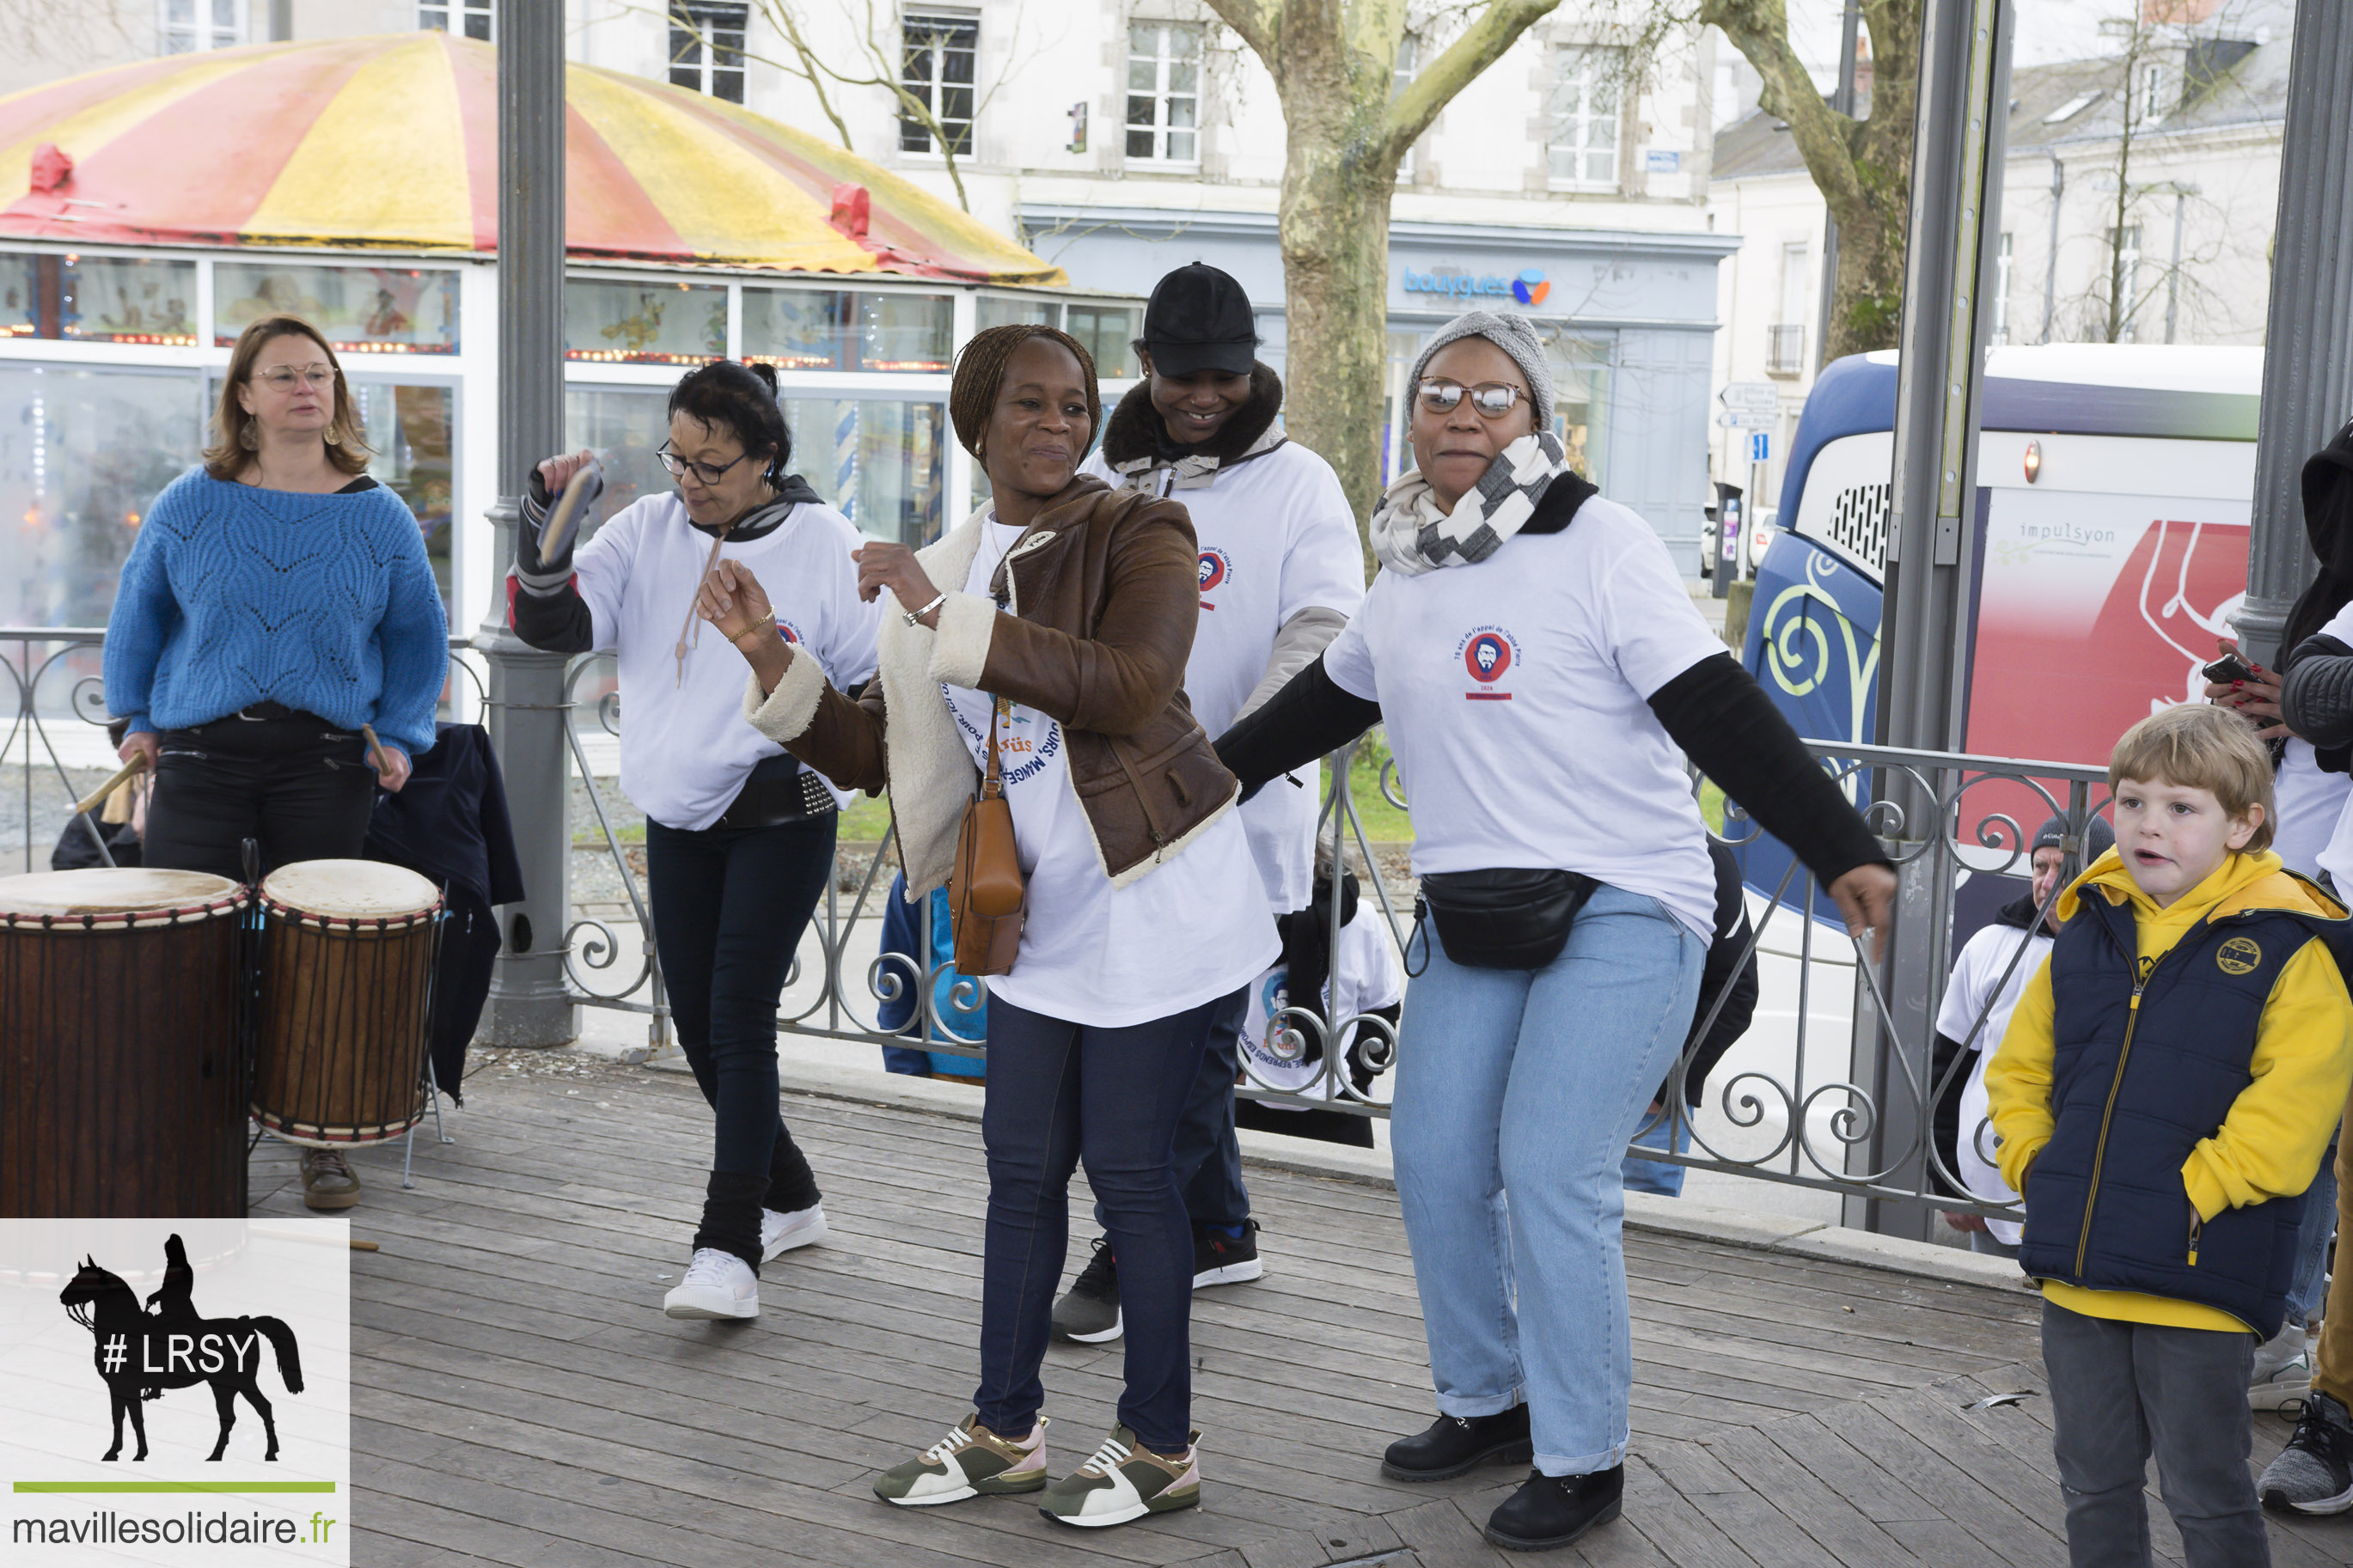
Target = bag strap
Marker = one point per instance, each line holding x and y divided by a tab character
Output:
992	784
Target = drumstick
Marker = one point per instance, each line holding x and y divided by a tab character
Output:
359	1246
376	759
586	484
97	797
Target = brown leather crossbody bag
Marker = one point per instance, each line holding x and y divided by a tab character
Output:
986	893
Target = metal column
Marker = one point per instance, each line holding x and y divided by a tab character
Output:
2308	352
529	1004
1956	184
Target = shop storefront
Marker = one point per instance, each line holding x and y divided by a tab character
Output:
1629	318
122	290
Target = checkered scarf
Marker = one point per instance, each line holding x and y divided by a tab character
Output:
1412	535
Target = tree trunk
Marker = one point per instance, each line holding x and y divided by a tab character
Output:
1336	229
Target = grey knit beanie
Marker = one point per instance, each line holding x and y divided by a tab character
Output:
1510	332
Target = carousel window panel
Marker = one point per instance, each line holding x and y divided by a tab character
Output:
412	431
905	332
80	462
127	300
609	322
378	310
797	328
625	427
1110	332
881	464
20	295
996	311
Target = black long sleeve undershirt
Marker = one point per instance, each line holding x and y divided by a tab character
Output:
1714	711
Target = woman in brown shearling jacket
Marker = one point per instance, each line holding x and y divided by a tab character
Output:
1057	620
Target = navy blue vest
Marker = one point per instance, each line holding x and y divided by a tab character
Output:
2133	1091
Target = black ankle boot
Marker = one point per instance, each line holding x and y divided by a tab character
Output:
1552	1510
1455	1444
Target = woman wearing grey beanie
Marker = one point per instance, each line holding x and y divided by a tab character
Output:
1538	662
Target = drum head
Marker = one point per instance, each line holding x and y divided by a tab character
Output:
103	891
350	889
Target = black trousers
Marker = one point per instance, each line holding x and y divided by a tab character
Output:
296	784
729	905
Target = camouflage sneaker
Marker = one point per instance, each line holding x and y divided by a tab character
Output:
1122	1481
969	1461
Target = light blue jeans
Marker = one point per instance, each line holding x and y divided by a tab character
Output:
2312	1243
1531	1082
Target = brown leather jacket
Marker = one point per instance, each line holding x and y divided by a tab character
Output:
1104	593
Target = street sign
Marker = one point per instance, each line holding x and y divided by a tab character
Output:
1760	447
1750	396
1743	419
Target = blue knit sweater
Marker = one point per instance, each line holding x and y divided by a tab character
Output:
235	596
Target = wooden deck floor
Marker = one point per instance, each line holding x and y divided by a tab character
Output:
520	1398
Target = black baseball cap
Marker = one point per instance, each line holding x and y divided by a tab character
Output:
1198	320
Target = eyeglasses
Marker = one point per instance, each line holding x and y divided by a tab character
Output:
285	377
1493	399
704	473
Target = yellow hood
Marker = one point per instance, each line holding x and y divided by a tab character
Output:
2242	882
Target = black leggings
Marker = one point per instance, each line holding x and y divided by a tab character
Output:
729	905
298	786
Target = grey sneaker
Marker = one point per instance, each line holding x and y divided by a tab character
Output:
2313	1474
969	1461
1121	1481
2283	1372
1089	1310
327	1181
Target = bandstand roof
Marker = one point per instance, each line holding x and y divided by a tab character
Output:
392	142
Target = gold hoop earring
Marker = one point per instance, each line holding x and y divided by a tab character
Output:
246	437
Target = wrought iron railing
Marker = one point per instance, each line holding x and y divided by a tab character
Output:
1831	1089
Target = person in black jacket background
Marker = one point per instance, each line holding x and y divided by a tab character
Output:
1730	972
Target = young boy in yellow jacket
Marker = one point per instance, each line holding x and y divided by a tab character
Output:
2162	1098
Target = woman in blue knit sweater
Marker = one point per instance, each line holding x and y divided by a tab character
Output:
275	601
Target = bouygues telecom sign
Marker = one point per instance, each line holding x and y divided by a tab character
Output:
1527	287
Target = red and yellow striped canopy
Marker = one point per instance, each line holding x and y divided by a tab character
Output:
392	142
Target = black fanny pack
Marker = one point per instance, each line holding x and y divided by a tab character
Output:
778	789
1508	919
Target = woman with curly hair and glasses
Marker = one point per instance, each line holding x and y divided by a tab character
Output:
739	836
1056	621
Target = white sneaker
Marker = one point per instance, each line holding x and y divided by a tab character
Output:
717	1285
2282	1371
781	1232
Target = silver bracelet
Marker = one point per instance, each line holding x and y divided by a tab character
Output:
915	617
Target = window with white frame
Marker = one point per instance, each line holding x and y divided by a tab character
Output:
706	46
189	27
2123	281
1163	92
936	53
1584	118
472	17
2001	270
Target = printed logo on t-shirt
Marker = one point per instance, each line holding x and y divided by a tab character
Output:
1215	567
1488	653
1022	754
789	632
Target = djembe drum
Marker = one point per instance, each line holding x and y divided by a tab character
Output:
346	1001
122	1070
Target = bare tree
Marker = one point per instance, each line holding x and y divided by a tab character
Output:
1347	125
1862	165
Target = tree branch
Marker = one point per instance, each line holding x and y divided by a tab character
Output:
1759	29
1260	22
1482	44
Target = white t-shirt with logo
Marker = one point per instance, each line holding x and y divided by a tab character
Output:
1516	695
1364	977
1976	975
1276	537
1185	933
685	748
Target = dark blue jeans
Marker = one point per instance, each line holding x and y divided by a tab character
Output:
729	906
1207	1158
1060	1092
